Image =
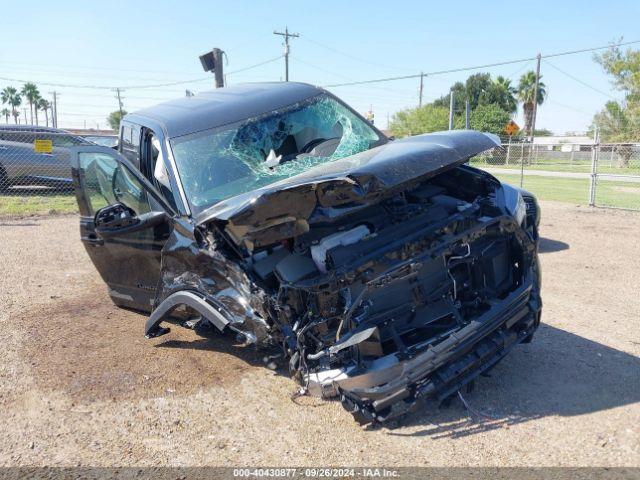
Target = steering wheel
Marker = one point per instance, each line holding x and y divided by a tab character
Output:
312	144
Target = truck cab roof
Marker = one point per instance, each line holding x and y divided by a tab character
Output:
211	109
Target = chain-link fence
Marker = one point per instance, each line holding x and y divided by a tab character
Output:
35	173
606	175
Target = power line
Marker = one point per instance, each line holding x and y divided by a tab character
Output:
256	65
353	57
477	67
21	71
361	82
135	87
396	93
580	81
322	69
568	107
119	68
82	67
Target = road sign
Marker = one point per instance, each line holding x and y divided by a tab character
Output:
41	145
511	128
370	116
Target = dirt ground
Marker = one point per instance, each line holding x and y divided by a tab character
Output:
80	385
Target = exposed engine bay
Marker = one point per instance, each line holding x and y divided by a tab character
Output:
386	281
381	287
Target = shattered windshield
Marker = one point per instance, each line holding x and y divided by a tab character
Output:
224	162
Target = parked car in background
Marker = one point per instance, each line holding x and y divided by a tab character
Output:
110	141
24	164
384	271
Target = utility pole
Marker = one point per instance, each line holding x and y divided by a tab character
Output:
467	114
218	74
535	98
212	62
594	166
54	110
286	36
421	88
119	101
451	106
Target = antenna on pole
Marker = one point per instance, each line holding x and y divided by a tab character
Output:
286	36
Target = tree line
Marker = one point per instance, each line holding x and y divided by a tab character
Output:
619	120
13	99
492	103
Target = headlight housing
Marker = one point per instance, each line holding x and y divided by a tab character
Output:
533	210
514	203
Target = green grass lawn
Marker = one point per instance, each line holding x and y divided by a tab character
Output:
18	205
576	190
565	166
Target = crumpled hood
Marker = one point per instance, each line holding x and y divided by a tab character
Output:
284	208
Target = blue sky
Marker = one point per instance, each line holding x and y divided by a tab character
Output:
129	44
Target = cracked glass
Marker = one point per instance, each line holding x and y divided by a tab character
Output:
228	161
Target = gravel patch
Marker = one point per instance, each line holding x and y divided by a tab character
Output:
80	385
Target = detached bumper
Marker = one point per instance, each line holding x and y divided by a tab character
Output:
446	367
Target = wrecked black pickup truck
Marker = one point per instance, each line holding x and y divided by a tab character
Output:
386	271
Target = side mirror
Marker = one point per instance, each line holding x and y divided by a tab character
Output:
115	217
118	219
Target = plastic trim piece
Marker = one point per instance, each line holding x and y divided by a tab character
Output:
190	299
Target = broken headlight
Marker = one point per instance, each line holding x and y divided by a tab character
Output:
514	202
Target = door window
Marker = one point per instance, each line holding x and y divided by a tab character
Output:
153	165
106	182
130	143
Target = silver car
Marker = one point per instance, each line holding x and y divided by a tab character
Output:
22	163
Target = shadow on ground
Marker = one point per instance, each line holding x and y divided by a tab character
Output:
558	374
214	341
548	245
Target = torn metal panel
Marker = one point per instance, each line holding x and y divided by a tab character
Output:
191	262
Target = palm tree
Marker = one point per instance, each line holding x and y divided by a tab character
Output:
5	113
507	94
36	105
11	96
526	89
31	93
44	105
